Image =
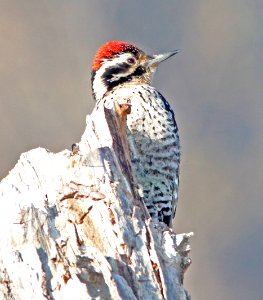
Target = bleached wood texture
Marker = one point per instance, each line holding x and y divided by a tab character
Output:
73	227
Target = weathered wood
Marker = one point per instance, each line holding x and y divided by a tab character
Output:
73	226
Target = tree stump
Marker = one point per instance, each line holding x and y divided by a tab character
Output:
74	227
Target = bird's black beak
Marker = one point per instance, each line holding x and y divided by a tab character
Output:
158	58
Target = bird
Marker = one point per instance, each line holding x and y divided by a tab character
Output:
121	71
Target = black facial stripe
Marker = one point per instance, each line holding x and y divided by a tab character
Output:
110	72
121	68
139	71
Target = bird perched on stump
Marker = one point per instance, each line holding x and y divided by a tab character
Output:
123	72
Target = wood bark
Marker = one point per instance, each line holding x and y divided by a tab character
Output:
73	226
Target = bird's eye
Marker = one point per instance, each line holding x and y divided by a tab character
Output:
131	60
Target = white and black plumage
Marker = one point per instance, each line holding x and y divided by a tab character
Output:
121	71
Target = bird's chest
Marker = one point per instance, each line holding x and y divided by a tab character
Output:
148	118
150	114
150	125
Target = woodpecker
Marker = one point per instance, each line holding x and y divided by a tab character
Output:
123	72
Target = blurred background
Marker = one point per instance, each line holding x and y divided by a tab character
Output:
215	86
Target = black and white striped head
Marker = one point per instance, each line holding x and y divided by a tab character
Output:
117	63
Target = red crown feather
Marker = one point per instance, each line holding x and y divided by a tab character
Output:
109	49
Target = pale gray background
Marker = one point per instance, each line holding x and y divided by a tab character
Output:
215	86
